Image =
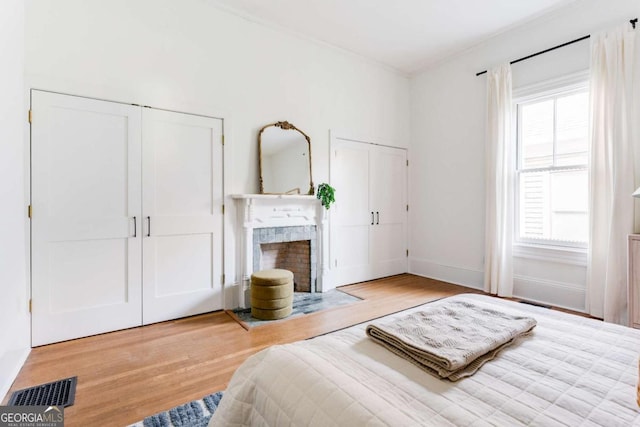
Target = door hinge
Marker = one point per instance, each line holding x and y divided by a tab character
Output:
407	208
223	279
223	209
222	139
29	211
407	252
30	116
30	305
407	162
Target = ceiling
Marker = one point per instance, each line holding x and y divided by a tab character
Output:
407	35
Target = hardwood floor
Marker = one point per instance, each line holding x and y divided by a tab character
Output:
126	375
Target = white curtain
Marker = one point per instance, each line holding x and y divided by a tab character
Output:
611	180
499	164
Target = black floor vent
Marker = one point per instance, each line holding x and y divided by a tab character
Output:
57	393
537	304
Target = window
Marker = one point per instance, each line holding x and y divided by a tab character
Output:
552	168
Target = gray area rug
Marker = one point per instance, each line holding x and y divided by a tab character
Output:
193	414
303	303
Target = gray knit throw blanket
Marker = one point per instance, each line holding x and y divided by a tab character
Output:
451	340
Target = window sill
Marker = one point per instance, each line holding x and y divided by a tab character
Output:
558	254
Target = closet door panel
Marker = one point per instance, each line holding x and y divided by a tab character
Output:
388	184
388	250
86	191
184	260
389	202
350	214
181	149
182	209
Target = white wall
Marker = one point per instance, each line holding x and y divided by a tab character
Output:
447	150
14	315
191	56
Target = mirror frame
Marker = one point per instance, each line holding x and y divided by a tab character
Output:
284	126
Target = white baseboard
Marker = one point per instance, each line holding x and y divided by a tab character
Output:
447	273
559	294
10	364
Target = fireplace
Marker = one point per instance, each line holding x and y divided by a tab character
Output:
281	231
290	248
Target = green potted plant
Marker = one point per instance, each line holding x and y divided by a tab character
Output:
326	194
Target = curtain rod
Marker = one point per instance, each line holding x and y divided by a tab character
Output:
633	23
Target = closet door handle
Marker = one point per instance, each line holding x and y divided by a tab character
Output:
371	217
377	218
135	227
148	226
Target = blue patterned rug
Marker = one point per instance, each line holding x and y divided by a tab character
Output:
192	414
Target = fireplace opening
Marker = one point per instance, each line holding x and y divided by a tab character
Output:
289	248
292	256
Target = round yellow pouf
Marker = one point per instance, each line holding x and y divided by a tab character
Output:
271	294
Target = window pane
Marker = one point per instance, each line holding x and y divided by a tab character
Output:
553	206
537	134
572	129
569	206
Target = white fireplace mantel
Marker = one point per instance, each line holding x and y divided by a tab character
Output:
269	210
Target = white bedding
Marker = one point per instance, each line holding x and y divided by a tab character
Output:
570	371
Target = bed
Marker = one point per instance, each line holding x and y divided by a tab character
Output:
569	371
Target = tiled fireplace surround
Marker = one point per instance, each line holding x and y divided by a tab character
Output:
283	231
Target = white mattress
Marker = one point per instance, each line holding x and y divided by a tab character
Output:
571	371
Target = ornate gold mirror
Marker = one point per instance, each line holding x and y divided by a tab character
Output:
285	160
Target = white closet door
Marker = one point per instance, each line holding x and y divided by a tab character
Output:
388	189
182	211
86	191
351	217
369	219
